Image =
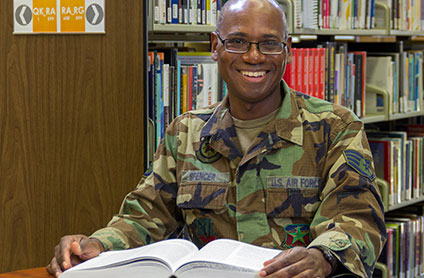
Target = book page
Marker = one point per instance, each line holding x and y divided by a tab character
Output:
166	251
235	253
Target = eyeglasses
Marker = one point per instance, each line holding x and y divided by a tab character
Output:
241	46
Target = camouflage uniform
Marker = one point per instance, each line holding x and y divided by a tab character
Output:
307	180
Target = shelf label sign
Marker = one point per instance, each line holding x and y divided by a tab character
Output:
59	16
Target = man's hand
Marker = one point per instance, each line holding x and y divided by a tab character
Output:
73	250
297	262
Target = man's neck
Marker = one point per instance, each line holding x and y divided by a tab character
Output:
250	111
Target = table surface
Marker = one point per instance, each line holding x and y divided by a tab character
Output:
39	272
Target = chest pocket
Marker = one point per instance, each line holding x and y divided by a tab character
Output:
285	200
202	195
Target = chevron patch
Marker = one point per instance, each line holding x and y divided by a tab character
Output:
361	165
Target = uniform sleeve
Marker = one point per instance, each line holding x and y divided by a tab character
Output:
350	220
149	213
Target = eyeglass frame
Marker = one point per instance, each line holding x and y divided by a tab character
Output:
250	45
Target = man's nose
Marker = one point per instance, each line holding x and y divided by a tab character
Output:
253	54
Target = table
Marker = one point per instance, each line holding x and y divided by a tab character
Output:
39	272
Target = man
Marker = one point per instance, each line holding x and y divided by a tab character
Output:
267	166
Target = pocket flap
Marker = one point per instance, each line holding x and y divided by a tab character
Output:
202	196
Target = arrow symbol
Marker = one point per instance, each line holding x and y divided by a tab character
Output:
96	15
21	15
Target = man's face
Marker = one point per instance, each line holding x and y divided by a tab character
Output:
252	76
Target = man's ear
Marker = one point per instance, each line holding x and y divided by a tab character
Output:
214	45
288	50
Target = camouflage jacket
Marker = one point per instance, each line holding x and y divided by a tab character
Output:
307	180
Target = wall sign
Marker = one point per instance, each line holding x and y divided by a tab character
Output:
59	16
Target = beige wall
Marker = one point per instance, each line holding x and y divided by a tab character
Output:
71	131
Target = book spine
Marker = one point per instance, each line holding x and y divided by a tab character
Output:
165	96
162	11
178	94
194	89
158	98
199	12
299	77
213	12
322	73
190	88
203	7
168	11
156	12
174	12
208	12
185	11
316	72
152	74
293	69
184	88
180	12
311	66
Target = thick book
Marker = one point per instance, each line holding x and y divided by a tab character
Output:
179	258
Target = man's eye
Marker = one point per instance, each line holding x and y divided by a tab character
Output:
270	43
237	41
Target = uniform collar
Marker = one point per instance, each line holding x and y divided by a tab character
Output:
288	124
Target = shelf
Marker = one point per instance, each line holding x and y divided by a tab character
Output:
406	115
406	203
373	119
183	28
179	37
344	32
406	33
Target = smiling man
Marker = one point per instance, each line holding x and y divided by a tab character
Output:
267	165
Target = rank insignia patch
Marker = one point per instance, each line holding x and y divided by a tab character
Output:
206	154
296	235
361	165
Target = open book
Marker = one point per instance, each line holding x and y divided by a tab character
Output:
178	258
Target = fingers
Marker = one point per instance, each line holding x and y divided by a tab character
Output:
53	268
89	248
76	248
67	252
283	260
63	253
73	250
297	262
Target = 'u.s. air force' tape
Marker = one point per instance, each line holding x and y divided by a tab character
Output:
361	165
293	182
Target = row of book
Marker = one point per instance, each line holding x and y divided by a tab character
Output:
203	12
341	14
332	72
398	159
180	82
405	15
403	253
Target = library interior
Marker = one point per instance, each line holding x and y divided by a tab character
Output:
83	110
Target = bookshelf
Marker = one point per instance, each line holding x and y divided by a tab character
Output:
384	32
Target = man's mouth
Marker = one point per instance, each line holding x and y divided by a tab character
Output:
253	73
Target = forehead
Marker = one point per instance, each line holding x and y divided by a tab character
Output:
253	18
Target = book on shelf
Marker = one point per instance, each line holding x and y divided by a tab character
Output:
386	162
409	244
193	12
398	181
178	258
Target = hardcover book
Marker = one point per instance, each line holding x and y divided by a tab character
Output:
178	258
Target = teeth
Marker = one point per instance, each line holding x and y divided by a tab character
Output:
253	73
